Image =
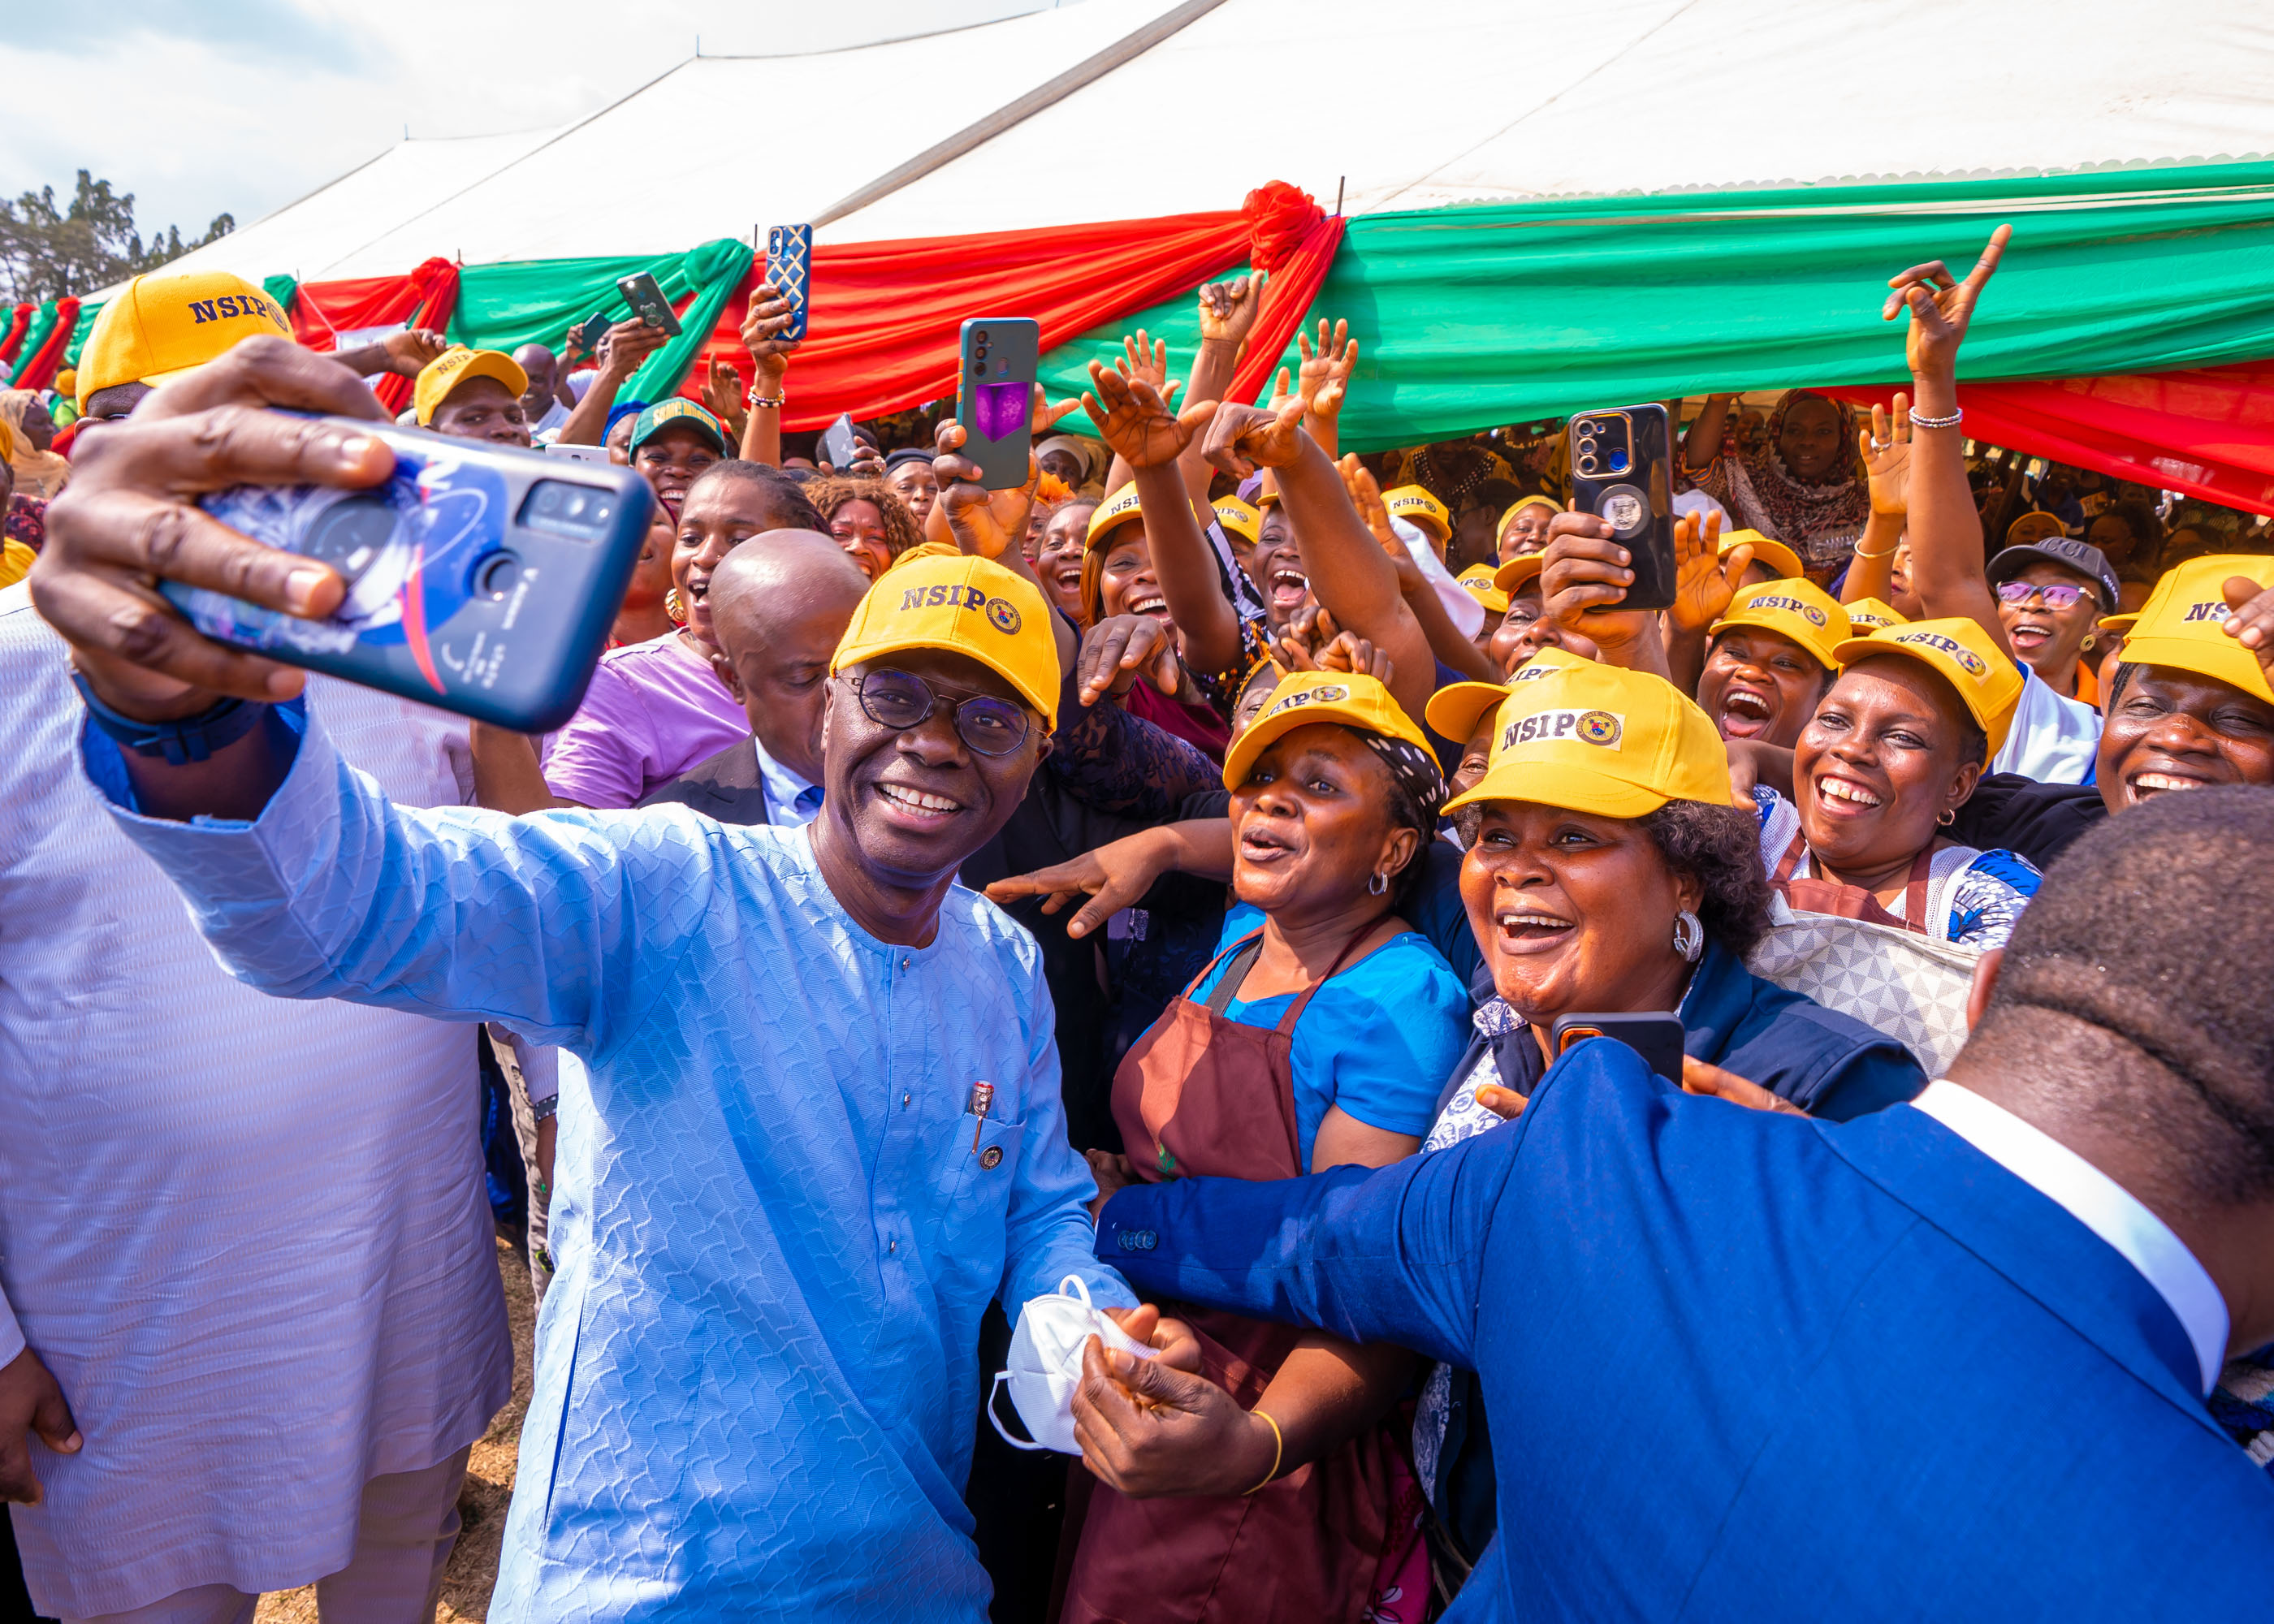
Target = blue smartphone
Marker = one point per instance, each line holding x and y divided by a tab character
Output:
995	396
789	267
481	579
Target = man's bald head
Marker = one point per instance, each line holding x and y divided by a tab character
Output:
779	603
537	363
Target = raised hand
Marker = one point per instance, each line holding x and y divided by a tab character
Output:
722	393
982	523
409	351
762	328
1886	454
1327	369
1136	422
1122	648
2250	618
1352	653
1705	581
1228	309
1242	438
627	345
1366	496
1148	358
1941	307
1308	632
1584	584
1045	417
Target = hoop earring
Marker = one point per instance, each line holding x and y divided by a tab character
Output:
1949	817
1376	883
1688	935
675	607
2090	639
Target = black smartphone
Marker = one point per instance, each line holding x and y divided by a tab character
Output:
1655	1036
789	267
482	579
647	302
995	396
591	330
1621	469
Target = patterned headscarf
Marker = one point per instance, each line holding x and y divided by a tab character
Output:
1416	770
1820	522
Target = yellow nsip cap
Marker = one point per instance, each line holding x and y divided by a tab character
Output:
965	606
456	366
1306	696
1604	740
1519	506
1799	610
1782	562
1423	511
1476	581
1238	518
1959	651
1454	709
1118	508
1868	615
161	327
2182	624
1520	572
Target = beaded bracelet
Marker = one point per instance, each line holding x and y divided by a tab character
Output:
754	399
1951	422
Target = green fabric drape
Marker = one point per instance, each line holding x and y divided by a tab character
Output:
79	330
537	301
1503	313
283	290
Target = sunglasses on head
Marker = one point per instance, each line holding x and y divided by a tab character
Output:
900	701
2059	595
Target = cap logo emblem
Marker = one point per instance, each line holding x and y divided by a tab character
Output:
1327	693
1003	615
1534	673
1601	728
1968	662
2215	610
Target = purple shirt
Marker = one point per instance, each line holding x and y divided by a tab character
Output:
650	714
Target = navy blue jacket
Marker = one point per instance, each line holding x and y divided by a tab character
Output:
1741	1366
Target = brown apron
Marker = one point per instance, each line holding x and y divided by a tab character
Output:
1818	896
1203	1095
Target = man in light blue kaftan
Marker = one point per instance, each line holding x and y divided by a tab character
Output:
780	1218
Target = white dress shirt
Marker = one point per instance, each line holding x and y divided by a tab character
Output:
248	1236
792	801
2097	1202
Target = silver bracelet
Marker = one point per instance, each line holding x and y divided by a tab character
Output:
1951	422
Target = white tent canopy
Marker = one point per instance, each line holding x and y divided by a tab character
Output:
1122	109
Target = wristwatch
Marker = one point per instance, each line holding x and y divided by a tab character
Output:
185	739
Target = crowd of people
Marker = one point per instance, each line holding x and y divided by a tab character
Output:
1167	881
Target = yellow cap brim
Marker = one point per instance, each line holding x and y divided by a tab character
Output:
1560	784
1047	703
1454	709
2217	657
1241	757
1764	623
1778	557
1994	727
1519	571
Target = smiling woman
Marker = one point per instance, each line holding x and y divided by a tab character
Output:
1892	753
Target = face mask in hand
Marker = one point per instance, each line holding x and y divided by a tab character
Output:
1045	1365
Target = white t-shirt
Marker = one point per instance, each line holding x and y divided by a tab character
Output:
2052	740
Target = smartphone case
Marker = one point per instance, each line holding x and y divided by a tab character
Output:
481	579
1621	469
994	397
789	267
644	294
1656	1037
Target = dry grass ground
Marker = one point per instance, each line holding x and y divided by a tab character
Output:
482	1504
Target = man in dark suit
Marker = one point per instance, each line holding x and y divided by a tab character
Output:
779	603
1947	1361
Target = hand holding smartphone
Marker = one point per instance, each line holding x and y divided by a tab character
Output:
481	579
789	267
1621	470
1654	1036
995	396
645	296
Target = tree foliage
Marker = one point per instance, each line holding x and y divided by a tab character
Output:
49	251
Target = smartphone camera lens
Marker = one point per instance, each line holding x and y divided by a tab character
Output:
351	534
979	366
496	577
580	512
1618	462
981	336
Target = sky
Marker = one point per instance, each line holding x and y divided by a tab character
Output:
244	105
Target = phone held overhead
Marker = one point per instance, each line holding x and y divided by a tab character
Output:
789	267
995	396
644	294
481	579
1621	470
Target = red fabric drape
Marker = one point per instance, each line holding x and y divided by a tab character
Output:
424	299
40	371
1292	240
2208	432
20	322
883	315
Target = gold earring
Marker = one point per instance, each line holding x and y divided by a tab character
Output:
2086	646
673	607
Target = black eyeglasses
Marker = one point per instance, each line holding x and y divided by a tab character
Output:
896	700
2058	595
